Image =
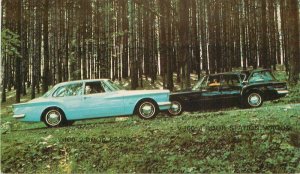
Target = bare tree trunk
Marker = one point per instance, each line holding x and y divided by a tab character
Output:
294	59
184	42
18	63
46	73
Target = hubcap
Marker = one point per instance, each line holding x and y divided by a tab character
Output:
147	109
53	118
175	108
254	99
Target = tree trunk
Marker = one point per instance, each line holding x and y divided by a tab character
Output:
46	74
294	60
18	63
184	42
264	49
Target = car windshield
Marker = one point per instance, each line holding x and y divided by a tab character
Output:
110	86
49	92
261	76
200	83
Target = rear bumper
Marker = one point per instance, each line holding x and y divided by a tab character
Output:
164	105
18	116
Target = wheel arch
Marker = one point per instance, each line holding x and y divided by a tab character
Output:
245	92
52	107
179	99
142	100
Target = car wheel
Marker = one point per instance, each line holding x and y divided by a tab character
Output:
253	100
147	110
175	109
54	118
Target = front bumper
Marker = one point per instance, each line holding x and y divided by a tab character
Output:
282	92
18	116
164	105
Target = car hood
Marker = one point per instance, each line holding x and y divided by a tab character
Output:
133	92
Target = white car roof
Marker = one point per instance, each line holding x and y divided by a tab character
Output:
80	81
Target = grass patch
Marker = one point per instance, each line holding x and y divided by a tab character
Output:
230	141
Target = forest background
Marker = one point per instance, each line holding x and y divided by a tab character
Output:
44	42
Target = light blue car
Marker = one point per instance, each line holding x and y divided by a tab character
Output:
85	99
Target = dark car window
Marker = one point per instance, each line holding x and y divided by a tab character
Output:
214	81
230	80
261	76
243	77
68	90
93	87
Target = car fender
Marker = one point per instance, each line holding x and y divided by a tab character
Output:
33	110
139	99
143	99
132	98
180	98
253	87
54	105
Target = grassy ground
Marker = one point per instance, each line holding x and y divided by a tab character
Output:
228	140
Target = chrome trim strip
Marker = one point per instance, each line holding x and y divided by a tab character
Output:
282	91
19	116
164	104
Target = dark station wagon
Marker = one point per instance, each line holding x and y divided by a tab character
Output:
246	89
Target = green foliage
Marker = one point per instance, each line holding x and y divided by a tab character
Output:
10	42
266	139
292	97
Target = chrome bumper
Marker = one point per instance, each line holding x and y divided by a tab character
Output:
19	116
282	91
164	104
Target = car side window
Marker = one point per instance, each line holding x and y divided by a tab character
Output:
212	84
230	80
214	81
68	90
93	88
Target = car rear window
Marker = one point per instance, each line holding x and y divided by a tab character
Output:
261	76
68	90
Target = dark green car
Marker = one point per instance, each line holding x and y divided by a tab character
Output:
245	89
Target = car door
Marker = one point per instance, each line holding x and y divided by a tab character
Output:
230	88
208	93
99	102
70	97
